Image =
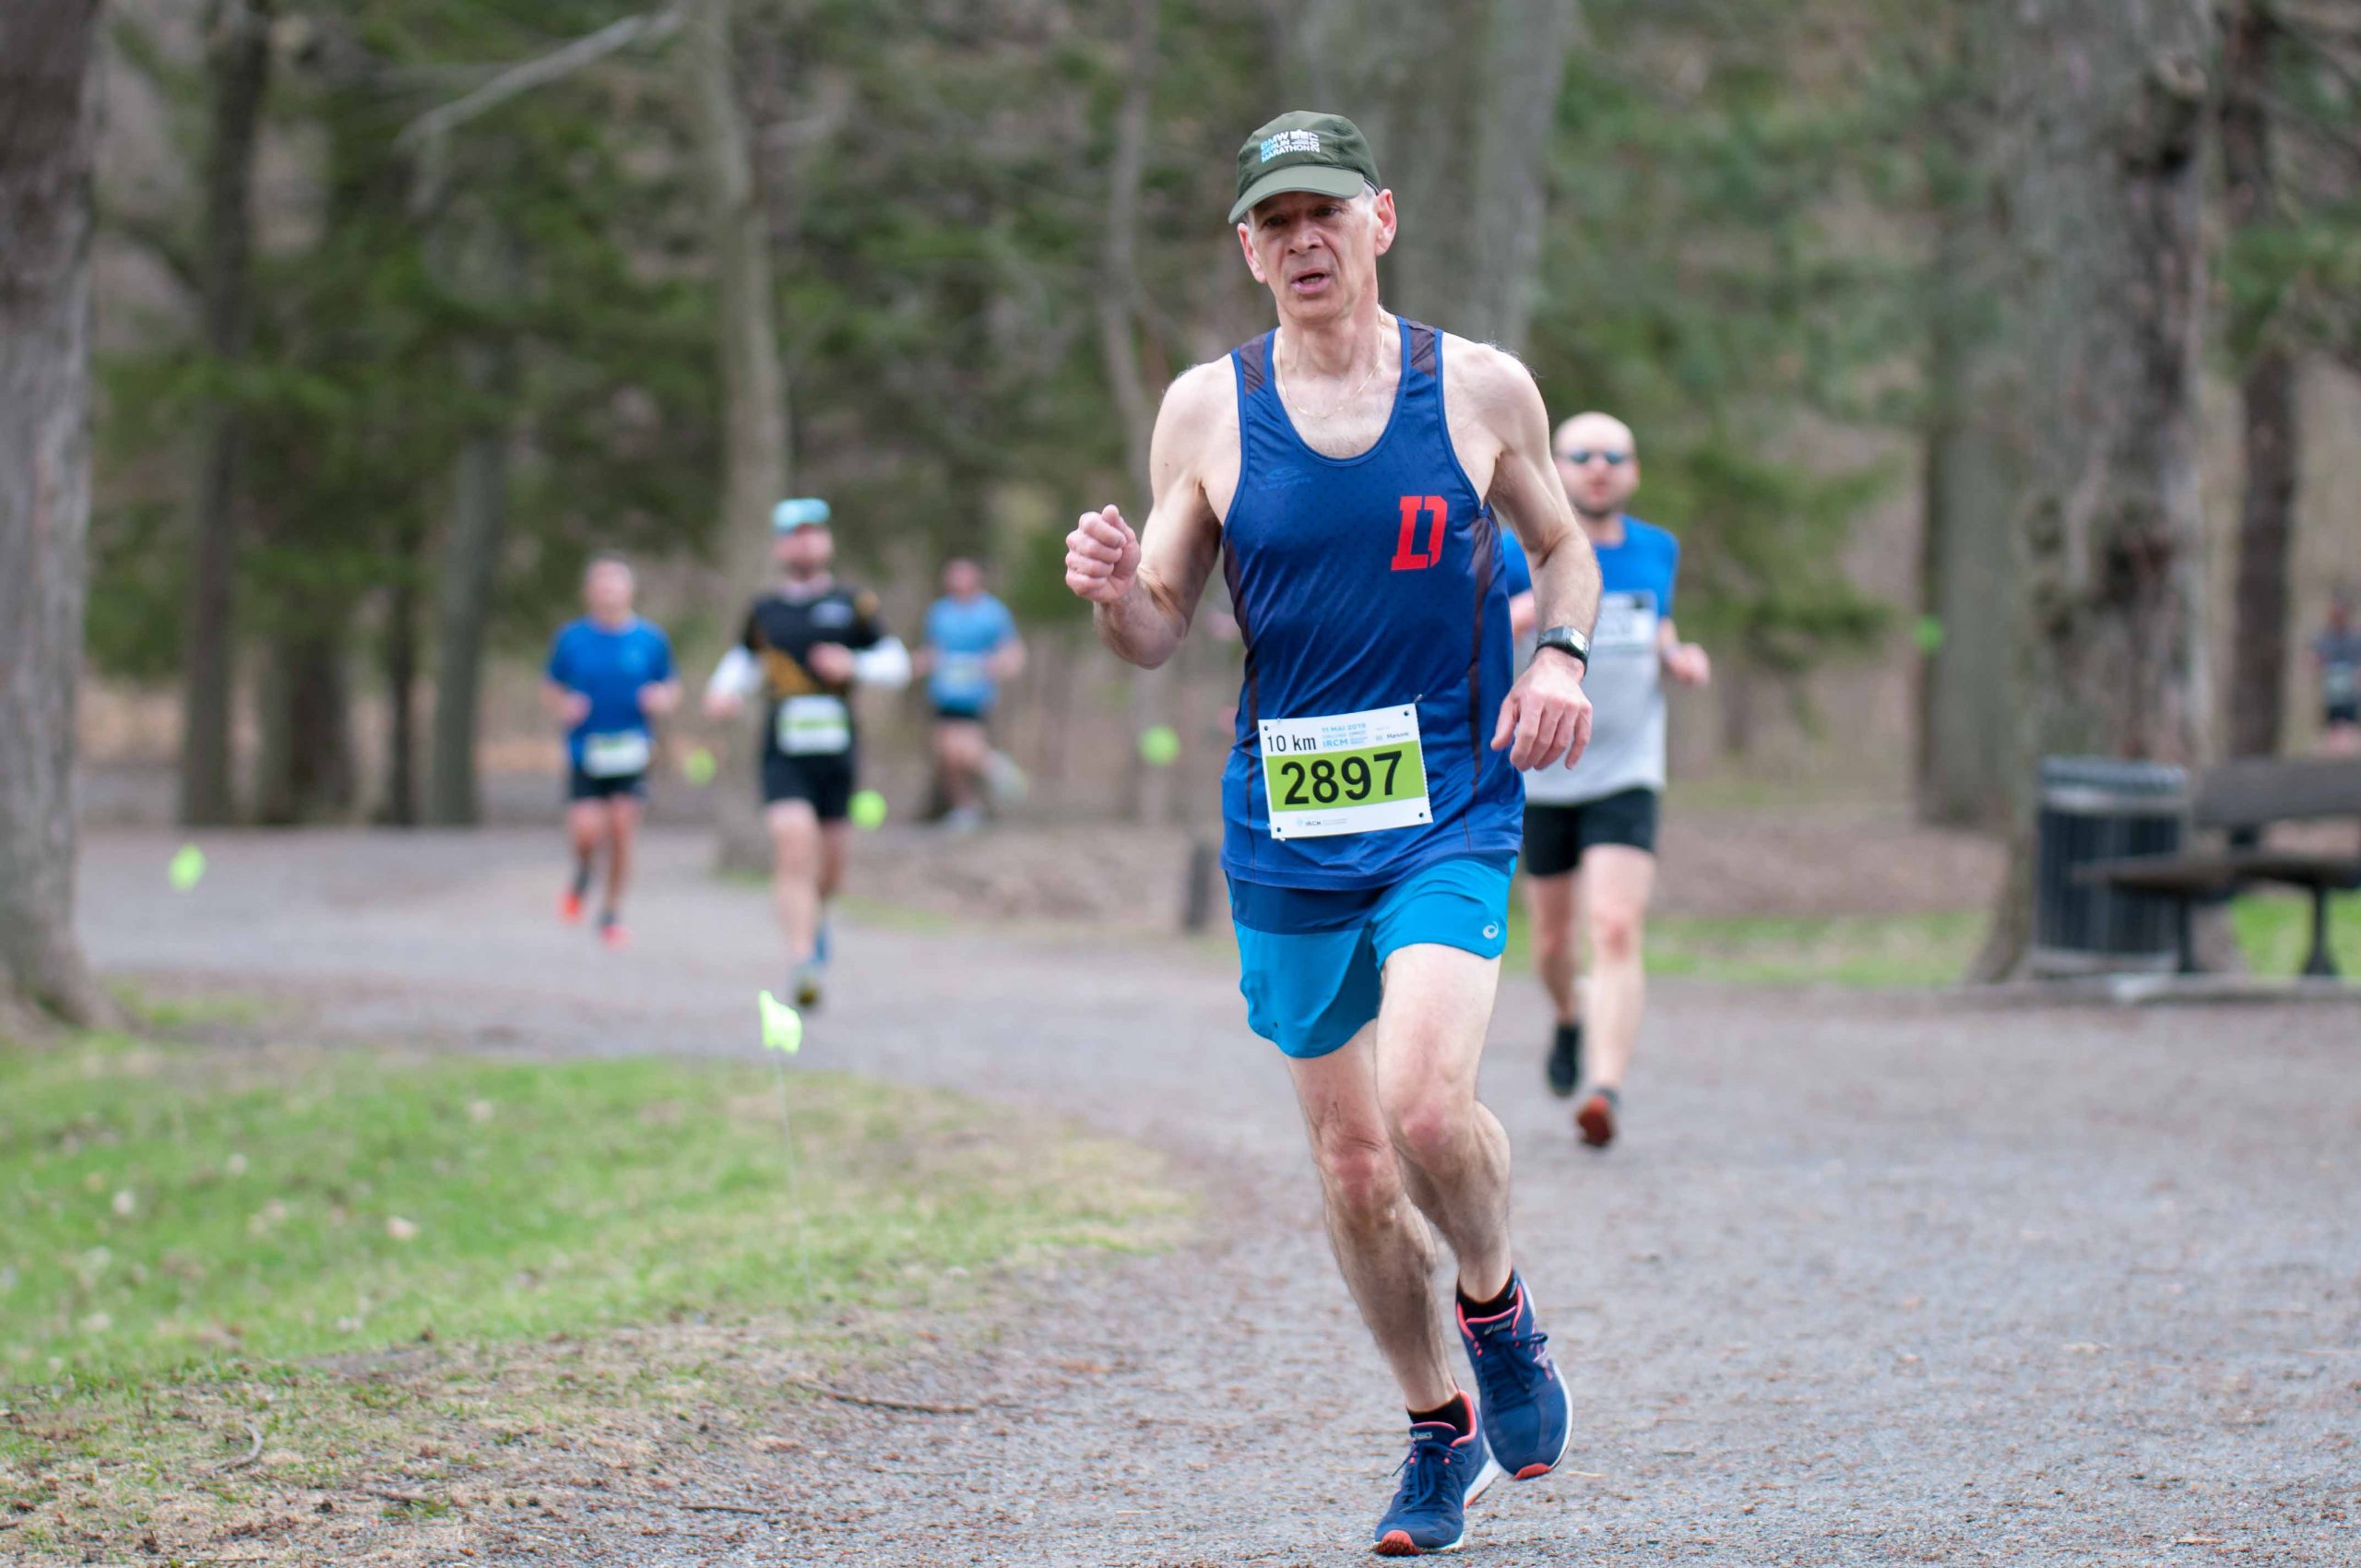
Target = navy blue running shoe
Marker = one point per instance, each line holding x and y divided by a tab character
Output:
1444	1473
1528	1409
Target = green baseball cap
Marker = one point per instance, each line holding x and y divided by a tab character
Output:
1303	150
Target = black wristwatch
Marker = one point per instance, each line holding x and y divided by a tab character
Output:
1565	639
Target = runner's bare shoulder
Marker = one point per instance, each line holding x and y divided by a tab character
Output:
1196	434
1490	403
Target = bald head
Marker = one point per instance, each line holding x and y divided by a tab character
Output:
1599	463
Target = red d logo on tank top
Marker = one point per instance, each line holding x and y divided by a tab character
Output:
1437	512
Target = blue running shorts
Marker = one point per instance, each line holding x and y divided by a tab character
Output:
1310	958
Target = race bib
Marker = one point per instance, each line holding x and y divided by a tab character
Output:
2341	683
963	674
1344	773
615	756
815	726
1627	624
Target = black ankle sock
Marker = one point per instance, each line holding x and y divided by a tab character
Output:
1454	1412
1493	1307
1571	1033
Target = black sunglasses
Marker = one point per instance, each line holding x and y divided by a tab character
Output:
1581	455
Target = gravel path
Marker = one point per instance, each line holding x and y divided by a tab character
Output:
1872	1280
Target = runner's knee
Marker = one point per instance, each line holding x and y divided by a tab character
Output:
795	846
1615	933
1359	1173
1429	1123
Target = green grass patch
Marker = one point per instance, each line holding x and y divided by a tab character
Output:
424	1272
182	1015
1875	952
2274	931
160	1206
1930	949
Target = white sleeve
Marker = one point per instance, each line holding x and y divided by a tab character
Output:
886	664
736	675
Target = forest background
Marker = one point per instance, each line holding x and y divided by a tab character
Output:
407	307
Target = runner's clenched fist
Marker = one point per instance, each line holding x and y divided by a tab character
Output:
1103	556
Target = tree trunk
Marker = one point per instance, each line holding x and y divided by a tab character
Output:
1967	495
400	808
306	772
1964	707
49	113
2100	196
1150	791
1458	103
470	558
2268	400
754	429
469	570
238	64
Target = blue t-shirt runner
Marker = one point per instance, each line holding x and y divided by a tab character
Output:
964	633
612	745
1625	679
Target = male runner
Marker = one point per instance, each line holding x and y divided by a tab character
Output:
807	642
2336	654
608	674
1600	816
1343	469
972	647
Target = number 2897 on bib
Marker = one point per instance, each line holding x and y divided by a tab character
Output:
1344	773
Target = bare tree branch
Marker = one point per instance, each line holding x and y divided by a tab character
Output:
588	50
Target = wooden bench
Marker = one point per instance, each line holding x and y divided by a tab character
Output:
2242	799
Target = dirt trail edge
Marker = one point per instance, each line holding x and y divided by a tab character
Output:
1872	1280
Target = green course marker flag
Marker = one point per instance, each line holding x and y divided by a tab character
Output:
697	767
783	1033
187	865
1159	747
782	1025
867	810
1930	634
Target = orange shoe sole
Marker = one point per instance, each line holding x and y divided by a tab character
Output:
1596	1121
569	907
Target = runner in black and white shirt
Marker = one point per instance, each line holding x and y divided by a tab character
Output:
807	642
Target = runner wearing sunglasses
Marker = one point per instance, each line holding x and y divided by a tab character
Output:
1590	831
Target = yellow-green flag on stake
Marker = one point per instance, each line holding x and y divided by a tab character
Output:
783	1033
782	1025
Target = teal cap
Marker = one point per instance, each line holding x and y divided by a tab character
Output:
799	512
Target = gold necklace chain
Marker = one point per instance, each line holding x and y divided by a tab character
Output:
1376	363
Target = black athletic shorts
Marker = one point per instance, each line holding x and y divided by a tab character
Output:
953	713
1555	837
2344	713
825	781
580	786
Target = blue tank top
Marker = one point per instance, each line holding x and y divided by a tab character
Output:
1360	584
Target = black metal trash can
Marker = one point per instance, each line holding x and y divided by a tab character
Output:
2100	809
